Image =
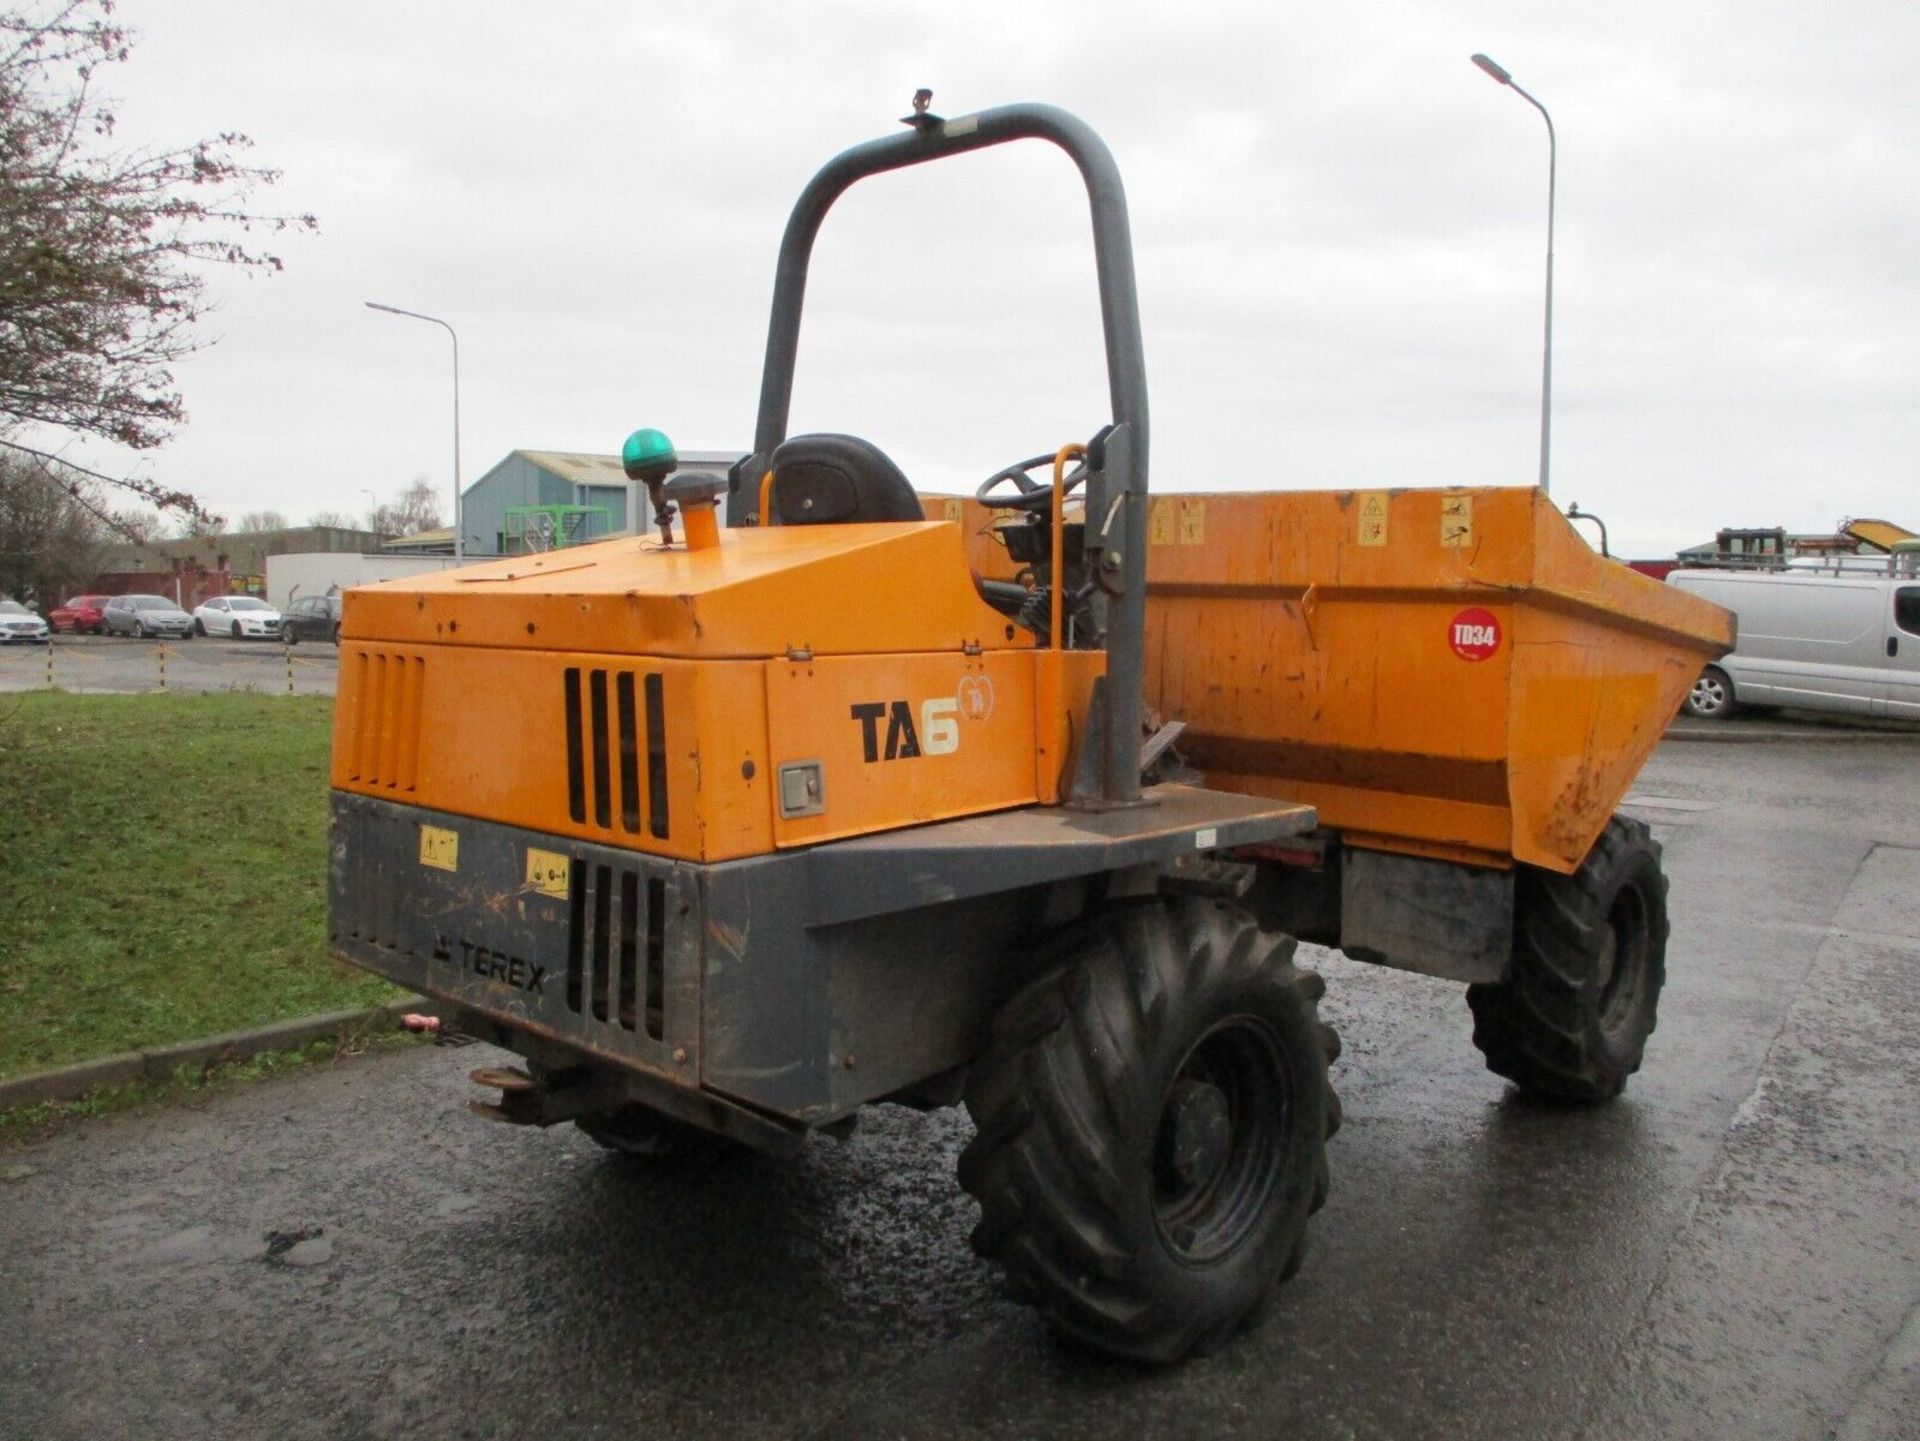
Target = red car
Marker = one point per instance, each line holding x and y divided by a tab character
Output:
82	613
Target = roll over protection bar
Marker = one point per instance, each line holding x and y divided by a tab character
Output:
1109	769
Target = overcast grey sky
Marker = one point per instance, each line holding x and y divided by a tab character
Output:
1339	226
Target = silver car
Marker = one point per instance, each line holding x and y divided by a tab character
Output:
149	616
19	623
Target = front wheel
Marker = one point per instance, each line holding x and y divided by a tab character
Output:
1582	994
1152	1114
1712	695
287	633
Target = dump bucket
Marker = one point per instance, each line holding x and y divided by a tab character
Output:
1442	673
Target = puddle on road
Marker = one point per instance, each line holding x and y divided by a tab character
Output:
196	1245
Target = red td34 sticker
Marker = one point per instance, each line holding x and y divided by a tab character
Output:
1474	634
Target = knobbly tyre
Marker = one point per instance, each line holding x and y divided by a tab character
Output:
732	831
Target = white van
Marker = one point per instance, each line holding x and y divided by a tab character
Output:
1845	641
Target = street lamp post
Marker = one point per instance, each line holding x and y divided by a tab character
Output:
459	545
1494	69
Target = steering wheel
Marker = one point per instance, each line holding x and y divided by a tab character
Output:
1028	494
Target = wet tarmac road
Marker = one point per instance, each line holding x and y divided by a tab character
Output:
1732	1250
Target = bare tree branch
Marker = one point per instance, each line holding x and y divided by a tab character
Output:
102	249
416	509
52	529
161	497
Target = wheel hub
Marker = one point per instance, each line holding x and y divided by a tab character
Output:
1623	949
1609	958
1199	1127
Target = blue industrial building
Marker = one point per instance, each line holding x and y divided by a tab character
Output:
550	478
545	477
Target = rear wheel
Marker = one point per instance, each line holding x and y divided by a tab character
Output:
1152	1114
1571	1020
1712	695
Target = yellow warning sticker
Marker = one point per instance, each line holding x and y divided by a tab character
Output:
1456	521
1373	518
440	848
548	872
1193	522
1162	524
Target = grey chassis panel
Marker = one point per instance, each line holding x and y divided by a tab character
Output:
803	984
978	855
814	1021
483	936
801	1022
1439	918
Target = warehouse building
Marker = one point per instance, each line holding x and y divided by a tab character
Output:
534	497
190	569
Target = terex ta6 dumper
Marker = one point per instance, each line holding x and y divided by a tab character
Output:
731	831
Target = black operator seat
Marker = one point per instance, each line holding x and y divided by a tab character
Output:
839	480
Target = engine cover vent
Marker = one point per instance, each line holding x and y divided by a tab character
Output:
612	717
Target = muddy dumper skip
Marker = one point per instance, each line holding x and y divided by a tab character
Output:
730	832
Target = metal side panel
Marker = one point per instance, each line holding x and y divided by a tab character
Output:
1439	918
706	976
595	947
980	855
803	984
813	1021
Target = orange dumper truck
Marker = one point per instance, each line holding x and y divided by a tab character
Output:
732	830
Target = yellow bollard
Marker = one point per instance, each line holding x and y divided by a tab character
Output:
163	665
49	662
286	648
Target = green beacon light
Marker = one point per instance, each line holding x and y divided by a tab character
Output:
649	457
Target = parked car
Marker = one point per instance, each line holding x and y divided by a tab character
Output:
82	613
1843	641
145	615
19	623
312	617
238	616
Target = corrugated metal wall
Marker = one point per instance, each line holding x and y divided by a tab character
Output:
518	481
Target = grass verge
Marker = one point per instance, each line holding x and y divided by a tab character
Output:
164	871
36	1122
